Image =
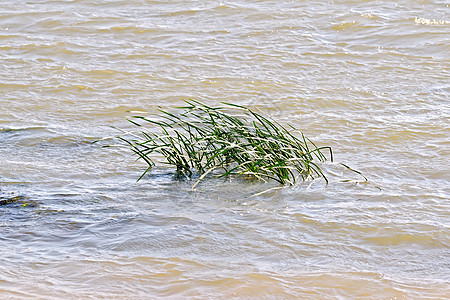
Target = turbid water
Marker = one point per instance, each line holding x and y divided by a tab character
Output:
368	78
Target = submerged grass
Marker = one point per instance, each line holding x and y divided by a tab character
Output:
231	138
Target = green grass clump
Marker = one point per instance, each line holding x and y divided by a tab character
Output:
231	138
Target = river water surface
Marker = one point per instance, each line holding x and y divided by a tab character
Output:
368	78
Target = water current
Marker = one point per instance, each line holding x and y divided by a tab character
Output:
368	78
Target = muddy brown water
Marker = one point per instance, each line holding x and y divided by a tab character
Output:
370	79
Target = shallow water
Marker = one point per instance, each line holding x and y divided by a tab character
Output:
370	79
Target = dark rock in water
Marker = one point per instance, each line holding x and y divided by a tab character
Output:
16	199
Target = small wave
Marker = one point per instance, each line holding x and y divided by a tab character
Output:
425	21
